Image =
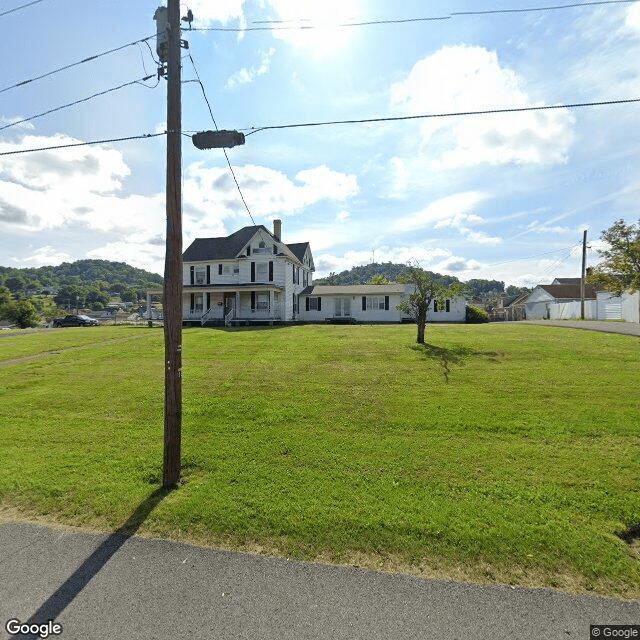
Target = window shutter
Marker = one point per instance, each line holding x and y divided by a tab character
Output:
386	303
435	305
307	303
447	307
192	274
270	270
208	301
193	300
364	303
319	304
253	300
208	274
253	273
249	250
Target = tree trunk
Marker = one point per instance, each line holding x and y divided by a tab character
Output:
422	321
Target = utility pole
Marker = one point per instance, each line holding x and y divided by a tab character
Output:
168	48
583	273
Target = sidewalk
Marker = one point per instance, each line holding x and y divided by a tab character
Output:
128	588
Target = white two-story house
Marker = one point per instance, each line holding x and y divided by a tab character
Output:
249	276
252	277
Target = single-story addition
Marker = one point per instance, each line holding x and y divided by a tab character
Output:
369	303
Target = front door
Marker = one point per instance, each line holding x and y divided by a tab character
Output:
229	304
342	307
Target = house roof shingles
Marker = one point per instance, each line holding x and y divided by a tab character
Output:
568	291
229	247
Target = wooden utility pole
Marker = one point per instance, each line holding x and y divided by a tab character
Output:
583	273
173	258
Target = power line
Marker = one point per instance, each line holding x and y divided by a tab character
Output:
4	13
280	25
71	104
246	206
253	130
83	144
75	64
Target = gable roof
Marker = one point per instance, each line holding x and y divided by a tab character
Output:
568	291
566	281
229	247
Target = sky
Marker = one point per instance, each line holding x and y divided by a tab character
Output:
496	196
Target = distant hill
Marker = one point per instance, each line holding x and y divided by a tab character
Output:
478	289
93	281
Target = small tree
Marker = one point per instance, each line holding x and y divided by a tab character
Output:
620	268
427	288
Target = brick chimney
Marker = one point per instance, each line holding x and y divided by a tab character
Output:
277	229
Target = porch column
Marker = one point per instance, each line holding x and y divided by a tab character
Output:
271	303
237	303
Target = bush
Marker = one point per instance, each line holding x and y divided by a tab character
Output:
475	315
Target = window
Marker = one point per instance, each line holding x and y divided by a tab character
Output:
314	304
262	271
375	303
262	302
219	269
226	269
201	275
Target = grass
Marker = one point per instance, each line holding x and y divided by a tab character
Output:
496	453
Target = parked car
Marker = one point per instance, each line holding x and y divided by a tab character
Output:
75	321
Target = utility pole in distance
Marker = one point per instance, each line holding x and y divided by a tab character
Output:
168	48
583	273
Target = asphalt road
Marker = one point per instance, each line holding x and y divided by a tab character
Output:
627	328
117	587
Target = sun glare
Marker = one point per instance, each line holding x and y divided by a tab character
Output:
314	25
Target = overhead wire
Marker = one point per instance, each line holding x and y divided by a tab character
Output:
71	104
79	62
82	144
575	105
4	13
281	26
204	93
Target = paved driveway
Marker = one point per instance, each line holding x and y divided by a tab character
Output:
114	587
628	328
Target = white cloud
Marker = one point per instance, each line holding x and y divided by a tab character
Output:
470	78
206	12
632	21
44	256
426	256
245	76
455	212
213	193
322	35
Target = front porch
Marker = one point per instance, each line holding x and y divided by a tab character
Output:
216	306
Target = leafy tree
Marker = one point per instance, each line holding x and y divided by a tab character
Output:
428	287
15	283
378	279
620	269
22	312
512	290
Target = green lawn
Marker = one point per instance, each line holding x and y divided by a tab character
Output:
498	453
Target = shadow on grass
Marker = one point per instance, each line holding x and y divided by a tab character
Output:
455	355
79	579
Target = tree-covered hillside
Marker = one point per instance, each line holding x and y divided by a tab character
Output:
476	289
86	283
